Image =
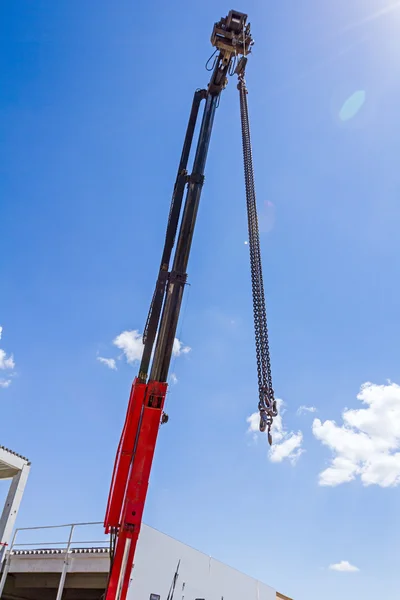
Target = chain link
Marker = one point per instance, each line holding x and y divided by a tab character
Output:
267	403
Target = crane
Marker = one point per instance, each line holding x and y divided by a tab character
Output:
231	37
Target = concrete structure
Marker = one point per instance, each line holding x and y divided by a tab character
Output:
37	574
70	568
16	468
80	573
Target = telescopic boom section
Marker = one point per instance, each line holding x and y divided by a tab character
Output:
231	38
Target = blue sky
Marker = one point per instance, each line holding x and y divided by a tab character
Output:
94	102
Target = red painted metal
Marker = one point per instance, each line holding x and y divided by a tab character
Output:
131	478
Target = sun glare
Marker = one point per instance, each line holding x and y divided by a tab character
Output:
388	8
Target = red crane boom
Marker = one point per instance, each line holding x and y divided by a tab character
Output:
232	40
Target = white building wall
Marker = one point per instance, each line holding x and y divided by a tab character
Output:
200	576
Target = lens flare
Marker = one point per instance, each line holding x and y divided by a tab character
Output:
266	216
352	105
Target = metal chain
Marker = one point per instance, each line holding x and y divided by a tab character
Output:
267	403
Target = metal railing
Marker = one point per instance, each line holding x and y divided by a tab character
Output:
66	550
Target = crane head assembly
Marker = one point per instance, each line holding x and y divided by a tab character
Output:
232	38
232	41
231	35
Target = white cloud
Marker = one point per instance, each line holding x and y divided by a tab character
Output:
131	343
109	362
178	348
303	409
367	445
285	444
289	448
173	378
253	421
6	362
344	566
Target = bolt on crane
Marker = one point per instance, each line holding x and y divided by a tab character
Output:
232	40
